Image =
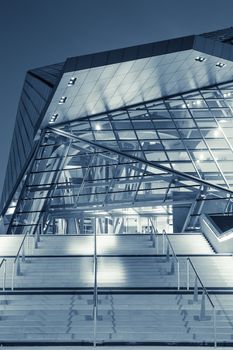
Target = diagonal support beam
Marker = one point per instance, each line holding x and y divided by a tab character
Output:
154	165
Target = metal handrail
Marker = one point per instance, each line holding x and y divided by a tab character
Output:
155	239
169	242
3	263
199	279
189	262
174	256
95	294
16	260
37	233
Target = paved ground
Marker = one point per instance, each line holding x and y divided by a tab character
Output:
112	348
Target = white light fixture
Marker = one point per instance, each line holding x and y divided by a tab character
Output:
53	118
98	127
72	81
217	132
62	100
201	156
198	102
200	59
220	64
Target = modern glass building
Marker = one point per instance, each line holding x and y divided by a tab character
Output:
122	135
117	206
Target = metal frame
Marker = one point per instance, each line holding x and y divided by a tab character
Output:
151	164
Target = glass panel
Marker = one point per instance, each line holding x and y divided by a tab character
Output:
126	135
147	134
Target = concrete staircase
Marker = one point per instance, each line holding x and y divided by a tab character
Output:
216	271
124	318
135	244
145	307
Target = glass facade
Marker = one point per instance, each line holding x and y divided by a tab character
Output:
37	89
149	160
108	140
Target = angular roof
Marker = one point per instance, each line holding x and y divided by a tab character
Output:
117	78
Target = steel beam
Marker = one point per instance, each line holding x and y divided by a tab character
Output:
144	161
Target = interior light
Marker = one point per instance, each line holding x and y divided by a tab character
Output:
62	100
222	121
98	127
198	102
72	81
200	59
183	106
220	64
216	132
201	156
53	118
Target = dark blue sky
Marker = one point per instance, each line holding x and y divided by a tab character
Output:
34	33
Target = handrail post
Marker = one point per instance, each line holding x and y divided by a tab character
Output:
157	242
173	257
154	236
36	237
23	253
151	235
18	266
95	296
35	242
187	268
214	325
178	275
172	266
12	276
4	275
153	240
19	255
163	233
168	252
195	292
39	232
202	313
28	245
95	319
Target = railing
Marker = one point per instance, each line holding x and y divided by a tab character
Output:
3	265
154	236
95	293
204	294
174	257
20	255
37	234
